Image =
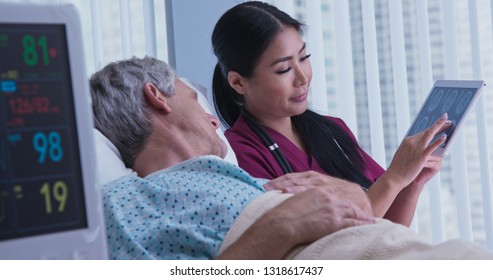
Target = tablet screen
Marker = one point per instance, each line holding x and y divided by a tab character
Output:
453	100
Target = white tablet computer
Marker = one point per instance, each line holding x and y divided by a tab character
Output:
454	97
49	205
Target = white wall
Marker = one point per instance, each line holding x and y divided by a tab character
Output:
189	29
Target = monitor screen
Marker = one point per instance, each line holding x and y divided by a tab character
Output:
41	184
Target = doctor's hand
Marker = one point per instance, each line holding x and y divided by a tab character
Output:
413	161
432	165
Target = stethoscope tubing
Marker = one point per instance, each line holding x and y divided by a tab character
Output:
267	140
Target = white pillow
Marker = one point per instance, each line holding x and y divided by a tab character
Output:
109	164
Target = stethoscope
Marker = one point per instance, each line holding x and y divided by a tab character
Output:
260	131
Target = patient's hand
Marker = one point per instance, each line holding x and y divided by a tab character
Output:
303	218
296	183
317	212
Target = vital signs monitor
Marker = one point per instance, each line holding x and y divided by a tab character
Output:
49	205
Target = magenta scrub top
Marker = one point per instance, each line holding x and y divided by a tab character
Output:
255	158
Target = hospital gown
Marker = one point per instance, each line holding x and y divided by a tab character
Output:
182	212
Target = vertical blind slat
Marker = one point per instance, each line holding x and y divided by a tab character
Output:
482	128
344	65
451	57
97	35
458	155
485	165
373	82
126	32
434	185
150	28
401	90
399	73
286	6
316	46
424	44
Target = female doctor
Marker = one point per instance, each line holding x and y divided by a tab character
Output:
260	89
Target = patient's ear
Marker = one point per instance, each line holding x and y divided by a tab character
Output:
237	82
155	98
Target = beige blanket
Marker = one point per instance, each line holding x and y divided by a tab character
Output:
382	240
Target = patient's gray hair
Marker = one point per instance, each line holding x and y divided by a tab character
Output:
119	107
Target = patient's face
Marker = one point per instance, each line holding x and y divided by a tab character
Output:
199	126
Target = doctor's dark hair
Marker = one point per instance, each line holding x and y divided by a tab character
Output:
239	39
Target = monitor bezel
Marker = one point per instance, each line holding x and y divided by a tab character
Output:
84	243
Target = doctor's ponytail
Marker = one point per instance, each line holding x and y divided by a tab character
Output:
226	99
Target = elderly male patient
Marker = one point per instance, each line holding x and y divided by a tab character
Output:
185	198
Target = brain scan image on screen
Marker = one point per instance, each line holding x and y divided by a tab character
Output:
464	100
452	101
435	100
451	97
420	125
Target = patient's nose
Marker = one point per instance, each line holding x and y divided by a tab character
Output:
214	121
